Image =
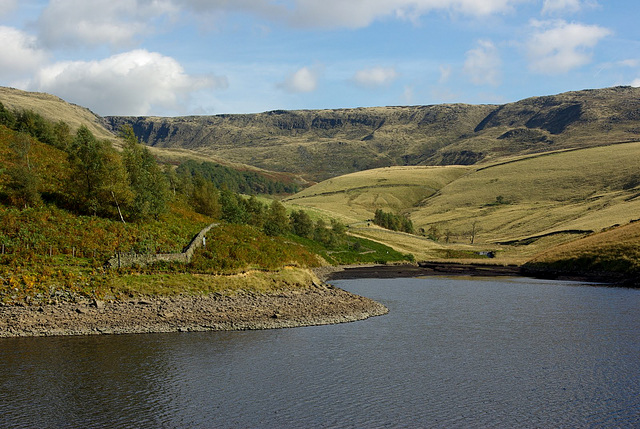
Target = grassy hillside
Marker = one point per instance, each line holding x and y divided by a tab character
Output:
518	207
321	144
610	255
53	249
355	197
55	109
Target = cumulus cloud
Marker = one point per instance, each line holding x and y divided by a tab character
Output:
125	84
111	22
7	6
483	64
374	77
19	53
303	80
636	83
558	6
361	13
559	46
351	13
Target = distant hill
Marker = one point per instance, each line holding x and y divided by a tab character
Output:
56	109
326	143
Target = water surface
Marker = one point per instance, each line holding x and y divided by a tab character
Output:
452	352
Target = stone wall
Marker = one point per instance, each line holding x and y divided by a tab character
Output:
130	259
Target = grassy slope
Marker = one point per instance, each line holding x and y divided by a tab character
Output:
550	194
587	189
610	254
56	109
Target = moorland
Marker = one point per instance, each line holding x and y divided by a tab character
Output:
550	184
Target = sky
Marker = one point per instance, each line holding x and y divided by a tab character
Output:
205	57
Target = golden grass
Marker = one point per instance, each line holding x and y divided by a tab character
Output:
621	243
55	109
355	197
585	189
258	282
513	199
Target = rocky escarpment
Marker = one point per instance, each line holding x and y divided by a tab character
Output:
326	143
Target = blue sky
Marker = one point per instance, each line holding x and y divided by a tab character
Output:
183	57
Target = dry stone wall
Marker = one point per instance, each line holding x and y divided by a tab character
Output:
130	259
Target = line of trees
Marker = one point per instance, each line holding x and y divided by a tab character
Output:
393	222
243	182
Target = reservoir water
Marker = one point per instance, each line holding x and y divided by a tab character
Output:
452	352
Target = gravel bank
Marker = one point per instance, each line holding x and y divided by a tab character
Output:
316	305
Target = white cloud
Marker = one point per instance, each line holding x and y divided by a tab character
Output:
19	53
483	64
374	77
7	6
445	74
558	46
351	13
557	6
631	62
111	22
125	84
303	80
361	13
636	83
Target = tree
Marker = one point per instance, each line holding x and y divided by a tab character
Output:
277	221
7	117
256	211
98	182
23	181
301	224
233	210
323	234
205	197
147	181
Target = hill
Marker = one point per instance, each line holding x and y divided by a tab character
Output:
56	109
609	256
320	144
517	207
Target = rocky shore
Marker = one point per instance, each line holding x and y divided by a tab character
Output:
317	305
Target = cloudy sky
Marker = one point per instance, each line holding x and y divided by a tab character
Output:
182	57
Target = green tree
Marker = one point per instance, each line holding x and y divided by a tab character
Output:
301	224
256	211
322	233
23	185
149	184
205	197
62	134
7	117
277	221
233	209
98	182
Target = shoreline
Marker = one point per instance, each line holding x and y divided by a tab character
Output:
317	305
